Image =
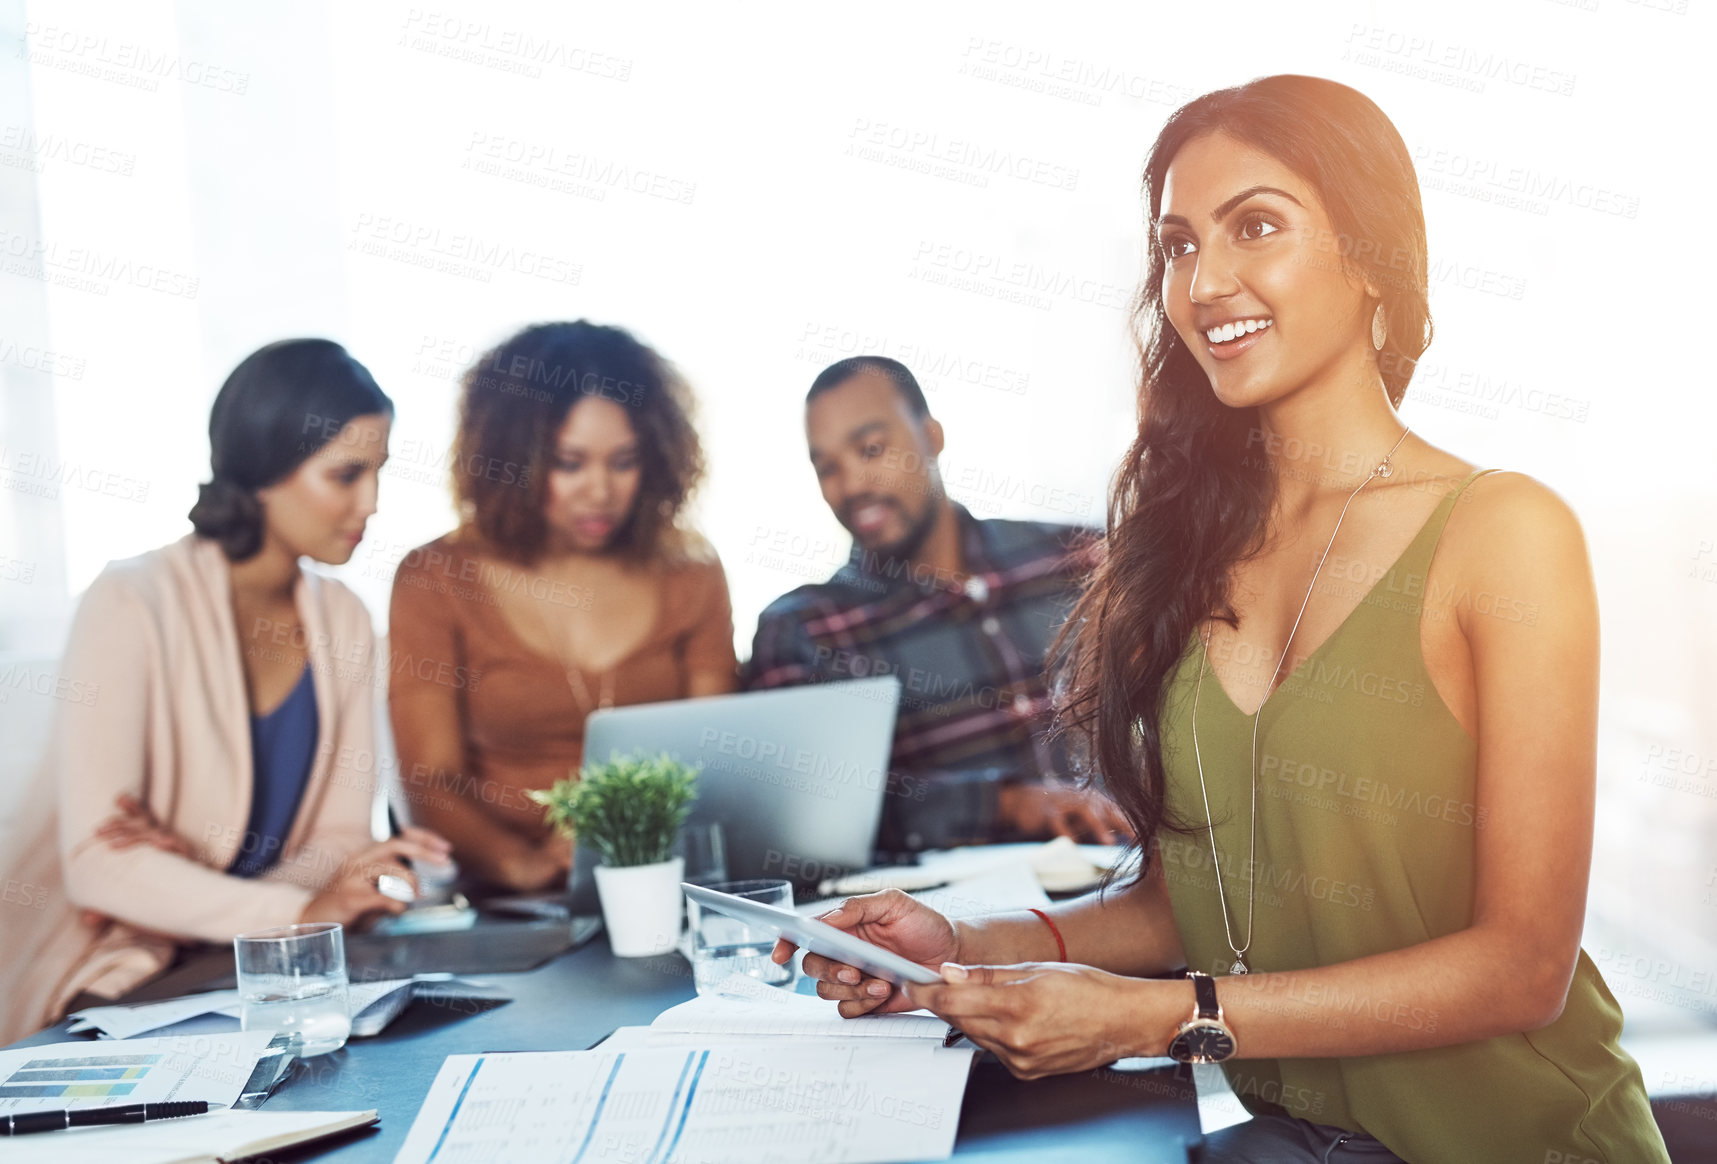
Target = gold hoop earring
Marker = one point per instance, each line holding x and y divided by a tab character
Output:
1379	328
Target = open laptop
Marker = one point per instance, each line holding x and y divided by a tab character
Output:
795	777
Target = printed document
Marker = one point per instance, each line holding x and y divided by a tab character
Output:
776	1102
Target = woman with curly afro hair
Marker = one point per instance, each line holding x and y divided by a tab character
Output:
571	583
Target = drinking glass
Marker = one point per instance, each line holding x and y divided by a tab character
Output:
723	946
292	979
700	843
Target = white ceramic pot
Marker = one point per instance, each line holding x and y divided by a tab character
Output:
641	906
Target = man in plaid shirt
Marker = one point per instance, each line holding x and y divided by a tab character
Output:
961	611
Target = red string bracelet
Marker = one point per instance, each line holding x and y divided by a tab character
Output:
1059	944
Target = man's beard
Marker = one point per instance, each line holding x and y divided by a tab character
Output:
908	544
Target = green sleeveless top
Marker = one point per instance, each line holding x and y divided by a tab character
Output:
1366	819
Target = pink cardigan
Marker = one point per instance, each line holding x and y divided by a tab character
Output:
153	702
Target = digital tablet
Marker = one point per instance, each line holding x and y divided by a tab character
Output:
819	937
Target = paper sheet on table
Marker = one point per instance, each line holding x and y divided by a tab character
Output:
785	1013
100	1074
1218	1106
650	1039
125	1022
1009	887
1061	867
755	1103
361	997
206	1137
1000	889
372	1006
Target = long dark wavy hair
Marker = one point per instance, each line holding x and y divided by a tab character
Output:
1187	503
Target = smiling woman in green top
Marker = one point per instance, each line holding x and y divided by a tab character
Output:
1342	683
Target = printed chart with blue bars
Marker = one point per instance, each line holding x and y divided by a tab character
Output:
102	1077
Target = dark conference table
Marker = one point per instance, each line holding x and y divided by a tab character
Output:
577	998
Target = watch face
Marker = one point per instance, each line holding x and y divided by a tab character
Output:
1202	1042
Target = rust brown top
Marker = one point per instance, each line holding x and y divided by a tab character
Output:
480	716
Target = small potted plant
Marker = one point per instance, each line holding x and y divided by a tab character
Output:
629	810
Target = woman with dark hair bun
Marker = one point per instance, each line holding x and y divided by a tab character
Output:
205	779
571	583
1344	686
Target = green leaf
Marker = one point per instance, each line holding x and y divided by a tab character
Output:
628	809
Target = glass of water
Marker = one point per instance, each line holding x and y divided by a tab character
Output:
292	979
724	946
701	844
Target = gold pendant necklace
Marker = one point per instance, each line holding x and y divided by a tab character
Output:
1383	469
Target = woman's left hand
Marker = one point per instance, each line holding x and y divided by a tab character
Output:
134	824
1048	1018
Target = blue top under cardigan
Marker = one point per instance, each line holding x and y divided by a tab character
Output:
282	746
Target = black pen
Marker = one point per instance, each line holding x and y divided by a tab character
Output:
129	1113
953	1036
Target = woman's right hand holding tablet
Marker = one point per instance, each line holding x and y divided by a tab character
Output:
895	922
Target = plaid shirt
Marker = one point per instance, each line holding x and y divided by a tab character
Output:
970	659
